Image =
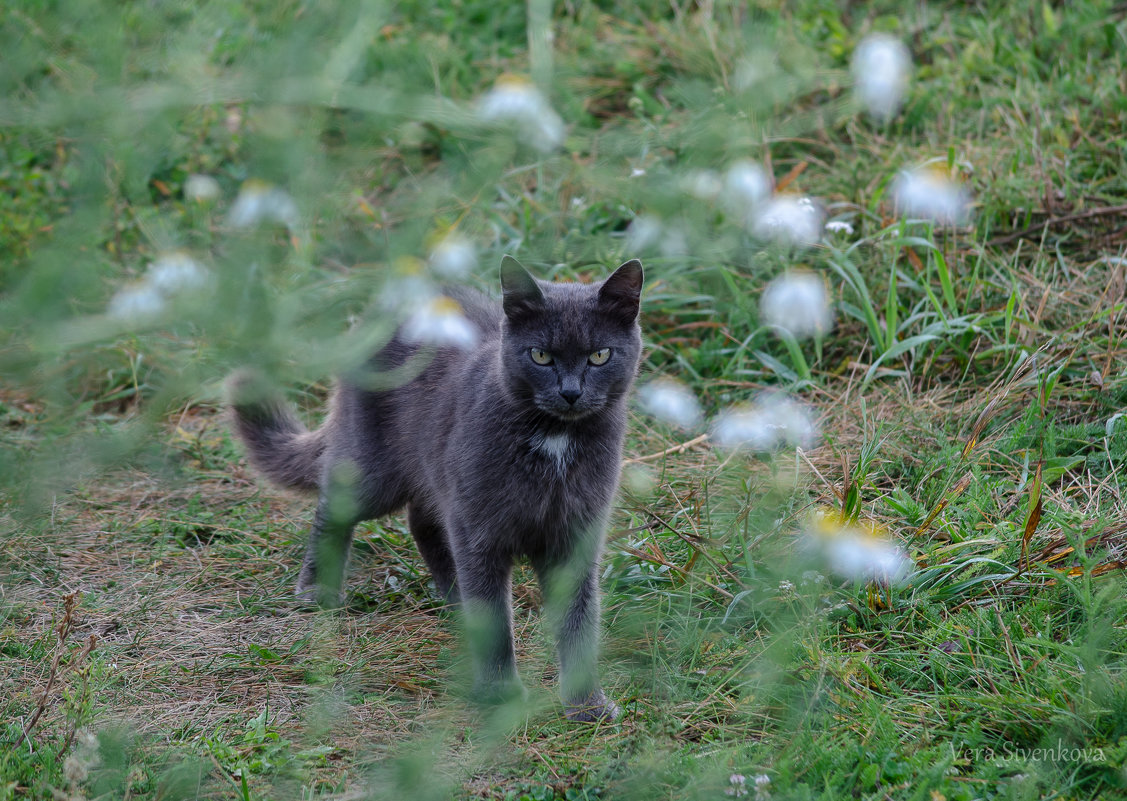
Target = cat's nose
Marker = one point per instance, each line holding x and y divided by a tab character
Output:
570	395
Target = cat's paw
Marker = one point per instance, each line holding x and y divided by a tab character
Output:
497	692
593	708
314	596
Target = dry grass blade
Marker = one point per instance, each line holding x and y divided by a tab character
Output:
955	491
789	178
1033	519
1000	389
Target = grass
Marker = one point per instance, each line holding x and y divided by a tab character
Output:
969	399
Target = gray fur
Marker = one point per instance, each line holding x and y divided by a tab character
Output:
490	458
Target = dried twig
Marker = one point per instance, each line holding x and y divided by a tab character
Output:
1103	211
684	446
62	631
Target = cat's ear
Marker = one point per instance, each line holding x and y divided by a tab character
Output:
520	292
621	294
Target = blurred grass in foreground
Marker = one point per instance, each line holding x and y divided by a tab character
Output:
968	396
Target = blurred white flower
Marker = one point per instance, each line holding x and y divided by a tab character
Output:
746	185
259	202
175	271
513	99
931	195
789	220
674	244
409	288
755	68
881	66
772	421
201	188
839	227
453	257
643	233
737	785
139	301
638	479
811	577
646	233
637	172
797	302
703	184
858	552
762	787
671	402
84	758
440	322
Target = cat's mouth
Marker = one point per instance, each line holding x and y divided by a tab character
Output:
568	412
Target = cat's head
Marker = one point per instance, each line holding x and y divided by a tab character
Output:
571	350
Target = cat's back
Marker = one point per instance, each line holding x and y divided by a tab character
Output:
483	312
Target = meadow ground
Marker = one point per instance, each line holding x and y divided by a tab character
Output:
969	397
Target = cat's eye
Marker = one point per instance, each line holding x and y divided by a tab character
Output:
600	356
540	356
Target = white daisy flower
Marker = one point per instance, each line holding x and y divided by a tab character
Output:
137	302
931	195
703	184
746	186
643	233
453	257
788	220
753	69
737	786
409	288
671	402
201	188
797	302
881	66
513	99
772	421
858	552
175	272
440	322
84	758
259	202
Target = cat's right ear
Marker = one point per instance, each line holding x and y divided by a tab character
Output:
520	293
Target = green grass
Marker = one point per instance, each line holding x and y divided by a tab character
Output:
968	399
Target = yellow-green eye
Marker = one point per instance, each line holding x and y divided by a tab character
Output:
600	356
540	356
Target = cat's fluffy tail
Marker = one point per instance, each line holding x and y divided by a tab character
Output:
277	443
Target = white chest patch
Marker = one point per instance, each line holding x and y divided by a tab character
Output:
555	446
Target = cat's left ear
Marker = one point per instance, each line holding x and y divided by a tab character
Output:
621	294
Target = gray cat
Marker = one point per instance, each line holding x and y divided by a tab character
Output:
511	449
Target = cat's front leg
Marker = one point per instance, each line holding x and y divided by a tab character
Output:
484	587
571	603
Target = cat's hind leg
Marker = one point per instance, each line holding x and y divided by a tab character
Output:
339	509
430	537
